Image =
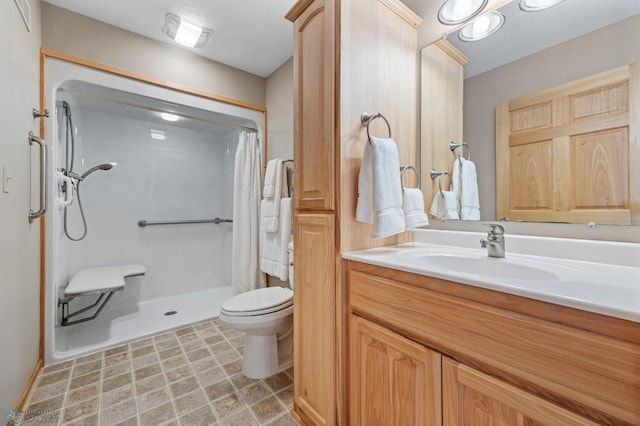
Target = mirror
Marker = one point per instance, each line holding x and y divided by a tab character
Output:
533	52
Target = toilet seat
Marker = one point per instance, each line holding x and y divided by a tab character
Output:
258	302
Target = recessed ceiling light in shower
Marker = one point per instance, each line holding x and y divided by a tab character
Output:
167	116
184	32
454	12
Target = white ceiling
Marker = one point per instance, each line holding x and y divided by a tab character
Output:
254	36
251	35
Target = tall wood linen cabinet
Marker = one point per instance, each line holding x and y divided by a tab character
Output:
350	57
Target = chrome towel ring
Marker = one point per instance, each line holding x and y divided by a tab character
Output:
404	169
435	174
464	147
366	119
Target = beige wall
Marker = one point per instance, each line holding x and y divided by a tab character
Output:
590	54
279	94
85	37
19	251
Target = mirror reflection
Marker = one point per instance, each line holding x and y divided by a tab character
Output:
566	141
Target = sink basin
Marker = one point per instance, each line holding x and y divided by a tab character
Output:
486	266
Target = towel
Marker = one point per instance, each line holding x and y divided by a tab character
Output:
413	207
274	259
469	199
270	208
380	189
269	189
444	205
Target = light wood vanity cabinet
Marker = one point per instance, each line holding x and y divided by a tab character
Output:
505	360
350	57
395	381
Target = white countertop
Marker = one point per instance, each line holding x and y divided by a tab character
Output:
604	288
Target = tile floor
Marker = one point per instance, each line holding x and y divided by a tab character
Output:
189	376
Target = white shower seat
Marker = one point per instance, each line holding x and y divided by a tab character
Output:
104	281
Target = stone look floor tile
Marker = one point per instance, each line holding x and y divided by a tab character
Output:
83	409
267	409
153	399
190	402
201	417
82	394
192	374
254	393
228	405
158	415
243	418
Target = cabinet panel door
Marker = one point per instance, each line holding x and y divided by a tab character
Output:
472	398
393	381
314	101
314	317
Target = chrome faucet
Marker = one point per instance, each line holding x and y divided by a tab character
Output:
494	243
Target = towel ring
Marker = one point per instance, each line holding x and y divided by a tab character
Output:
464	147
404	169
366	119
435	174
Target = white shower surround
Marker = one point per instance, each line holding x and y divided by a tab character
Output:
188	265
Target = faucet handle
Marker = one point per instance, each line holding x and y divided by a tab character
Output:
494	228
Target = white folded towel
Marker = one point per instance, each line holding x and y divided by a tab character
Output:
274	259
444	205
269	189
380	189
469	198
413	207
270	208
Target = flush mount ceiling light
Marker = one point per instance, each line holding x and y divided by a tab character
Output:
185	33
453	12
536	5
482	27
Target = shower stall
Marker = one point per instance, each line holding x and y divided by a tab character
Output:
140	174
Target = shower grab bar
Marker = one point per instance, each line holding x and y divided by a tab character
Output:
142	223
43	177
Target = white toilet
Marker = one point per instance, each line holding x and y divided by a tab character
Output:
266	316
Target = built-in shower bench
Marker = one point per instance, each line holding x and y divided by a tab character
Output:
104	280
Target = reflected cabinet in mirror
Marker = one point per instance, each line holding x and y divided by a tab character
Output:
549	106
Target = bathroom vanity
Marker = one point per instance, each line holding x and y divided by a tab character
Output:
426	350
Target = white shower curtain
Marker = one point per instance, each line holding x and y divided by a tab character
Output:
246	274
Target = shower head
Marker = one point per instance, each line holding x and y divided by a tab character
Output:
105	166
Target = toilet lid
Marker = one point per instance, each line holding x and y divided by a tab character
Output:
262	300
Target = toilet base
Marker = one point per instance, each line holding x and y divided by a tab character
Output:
267	355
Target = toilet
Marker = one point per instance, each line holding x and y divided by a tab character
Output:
265	315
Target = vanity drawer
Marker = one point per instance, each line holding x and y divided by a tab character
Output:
584	371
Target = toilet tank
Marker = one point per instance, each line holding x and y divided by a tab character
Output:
290	250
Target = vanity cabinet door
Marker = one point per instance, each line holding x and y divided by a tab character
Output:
473	398
314	318
314	105
393	381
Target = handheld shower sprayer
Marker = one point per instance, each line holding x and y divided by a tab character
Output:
79	178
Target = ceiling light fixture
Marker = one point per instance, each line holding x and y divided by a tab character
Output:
185	33
536	5
454	12
482	27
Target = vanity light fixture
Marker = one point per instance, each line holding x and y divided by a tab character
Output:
536	5
454	12
185	33
482	27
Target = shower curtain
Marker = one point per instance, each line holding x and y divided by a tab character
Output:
246	274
